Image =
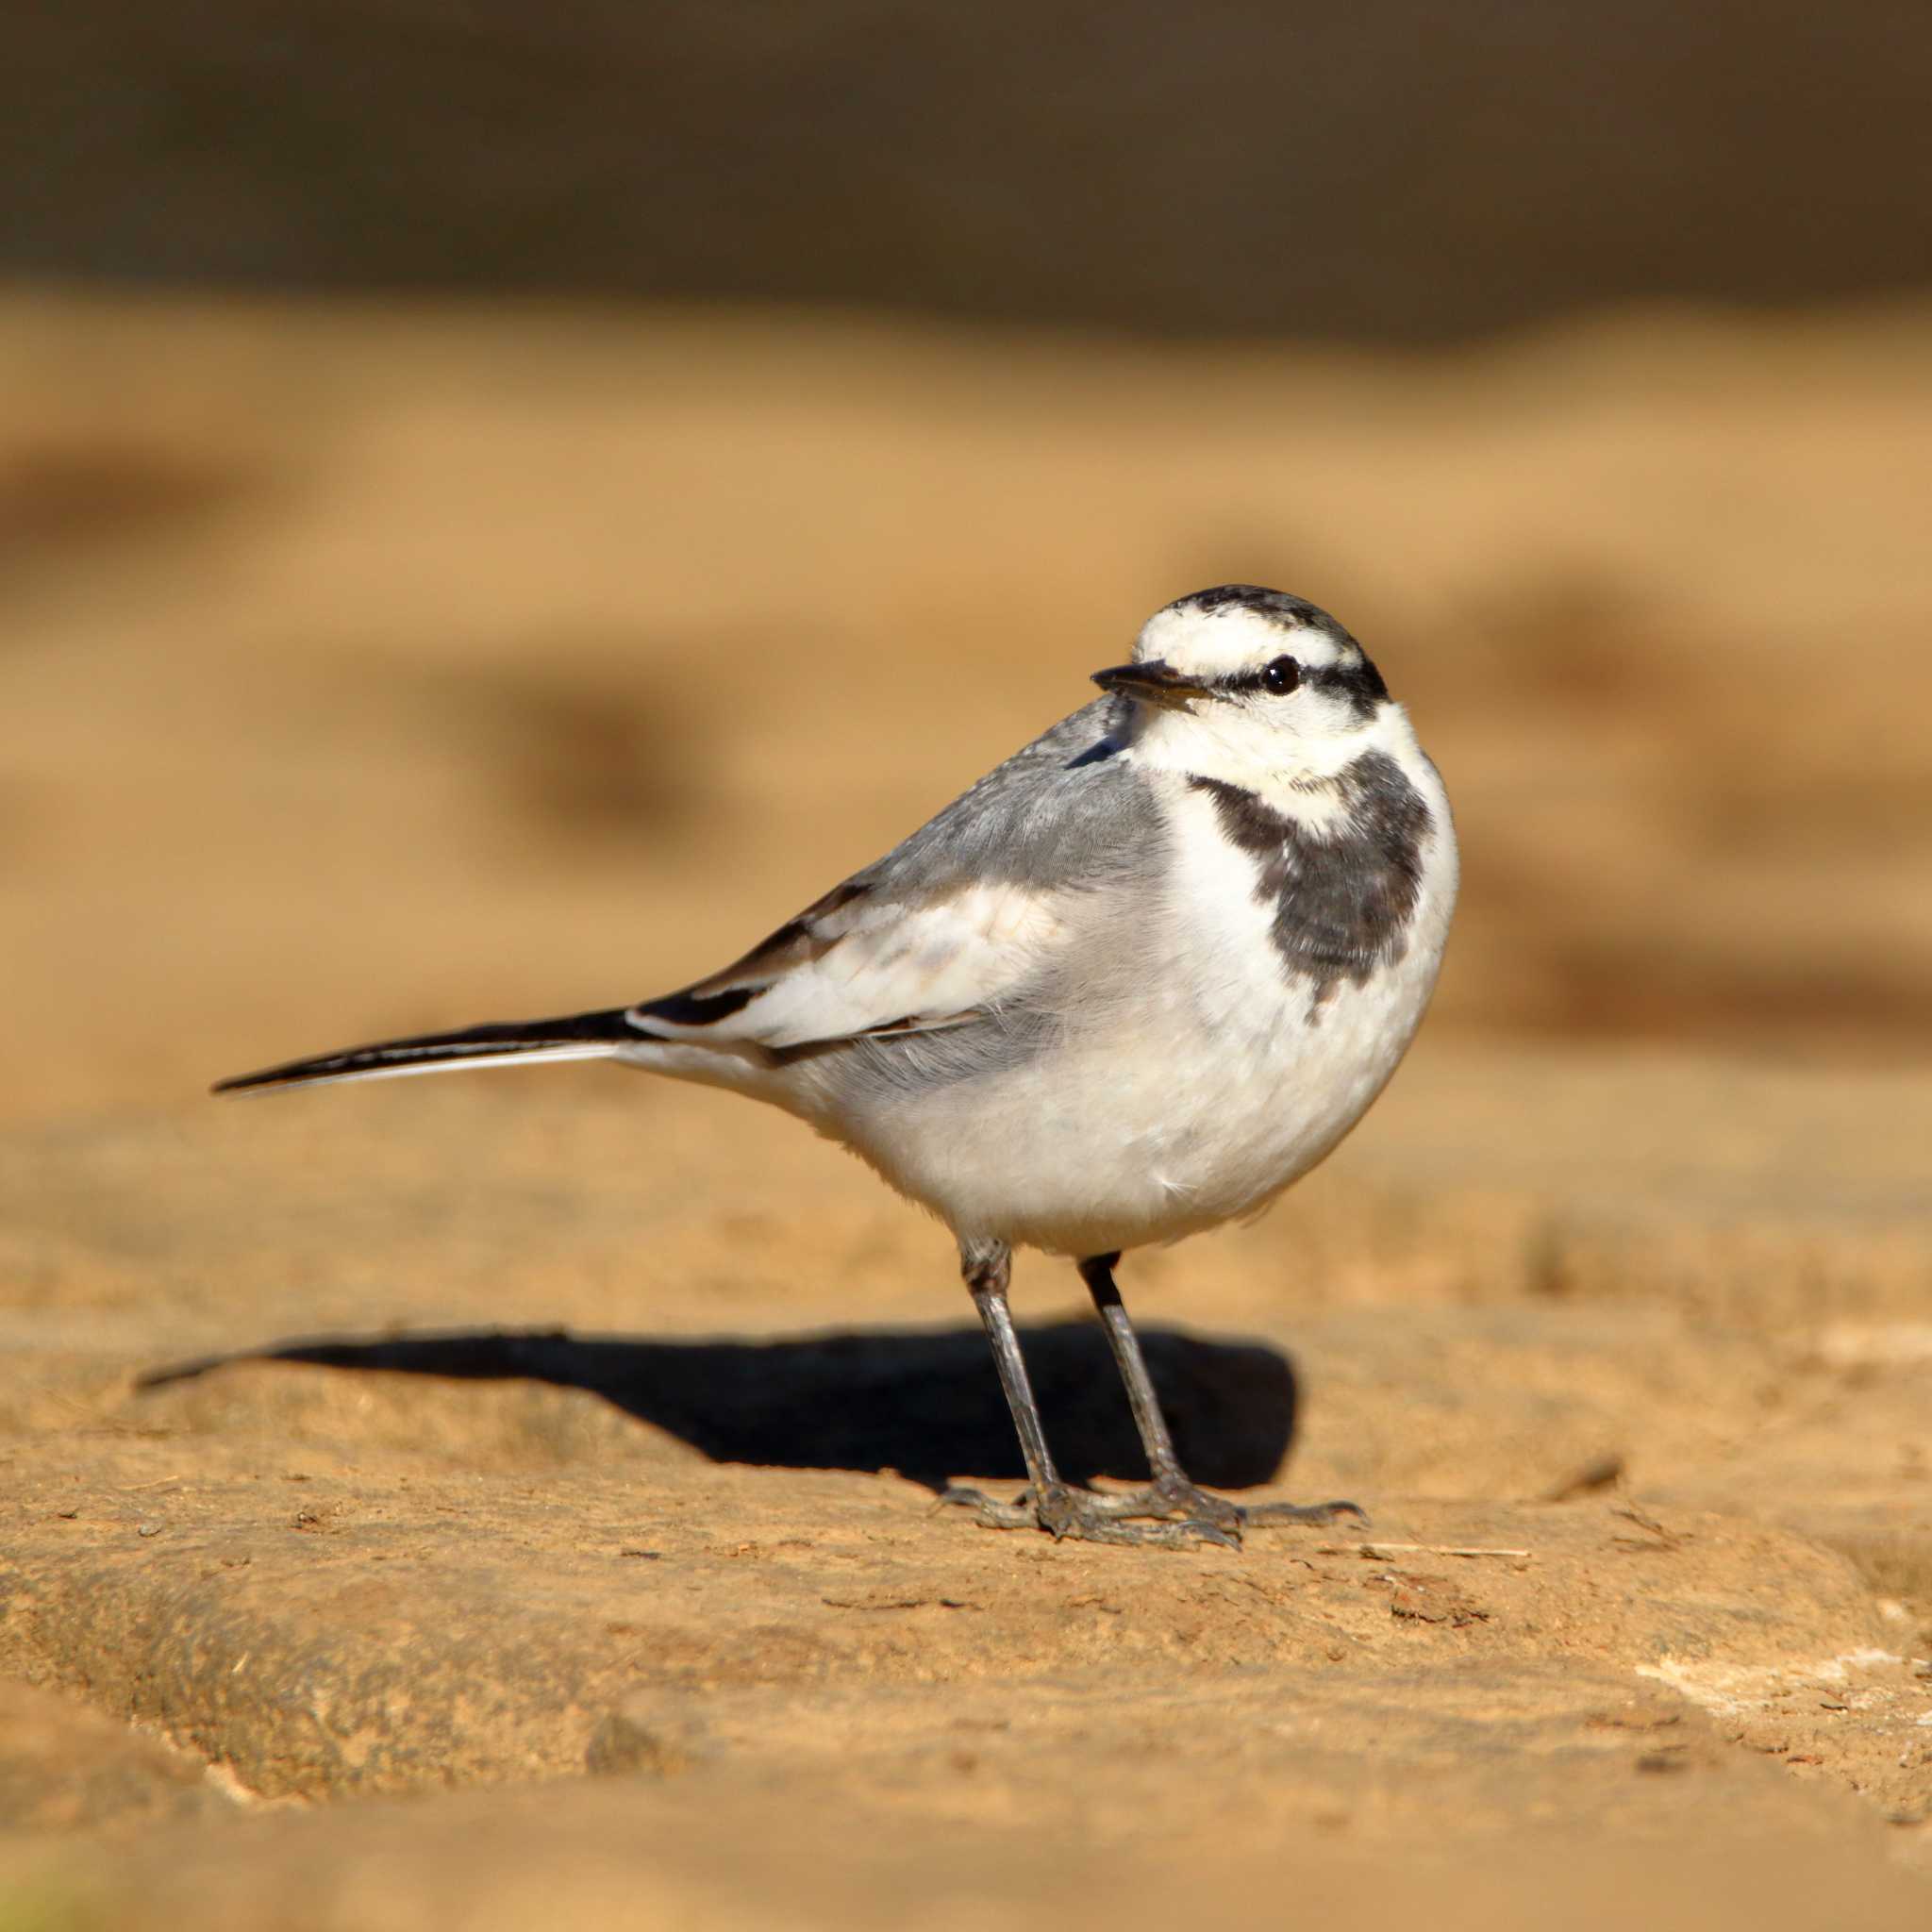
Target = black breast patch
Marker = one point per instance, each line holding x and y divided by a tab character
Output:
1343	898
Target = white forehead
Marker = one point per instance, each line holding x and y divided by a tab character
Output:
1205	643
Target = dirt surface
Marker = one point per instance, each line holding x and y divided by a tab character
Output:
371	1491
489	1503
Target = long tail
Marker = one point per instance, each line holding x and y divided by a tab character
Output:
577	1037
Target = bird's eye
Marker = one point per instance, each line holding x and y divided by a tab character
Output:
1281	676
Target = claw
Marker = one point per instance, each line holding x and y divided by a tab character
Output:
1018	1514
957	1495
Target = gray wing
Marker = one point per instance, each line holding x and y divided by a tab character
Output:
948	928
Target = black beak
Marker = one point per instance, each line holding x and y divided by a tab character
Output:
1153	683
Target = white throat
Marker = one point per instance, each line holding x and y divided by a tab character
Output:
1290	768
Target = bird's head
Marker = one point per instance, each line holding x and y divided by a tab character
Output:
1245	679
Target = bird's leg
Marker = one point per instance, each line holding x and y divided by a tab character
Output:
1171	1492
1046	1502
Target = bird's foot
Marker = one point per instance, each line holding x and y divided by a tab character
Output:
1175	1495
1081	1516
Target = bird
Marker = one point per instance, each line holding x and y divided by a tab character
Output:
1129	985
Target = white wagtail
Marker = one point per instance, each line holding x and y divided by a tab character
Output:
1137	980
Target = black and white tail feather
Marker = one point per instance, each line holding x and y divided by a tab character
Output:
576	1037
787	999
918	942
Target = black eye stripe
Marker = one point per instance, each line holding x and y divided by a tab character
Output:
1360	682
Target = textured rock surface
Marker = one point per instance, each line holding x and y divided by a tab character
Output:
467	1532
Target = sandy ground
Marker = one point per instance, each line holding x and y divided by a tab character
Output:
510	1501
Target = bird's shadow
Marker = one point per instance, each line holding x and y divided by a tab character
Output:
923	1401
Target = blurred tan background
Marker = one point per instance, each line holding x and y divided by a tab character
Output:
497	511
392	636
371	667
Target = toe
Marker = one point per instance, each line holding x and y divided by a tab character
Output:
1194	1532
1315	1515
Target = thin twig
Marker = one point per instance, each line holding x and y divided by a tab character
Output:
1632	1512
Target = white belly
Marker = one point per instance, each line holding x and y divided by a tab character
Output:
1197	1086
